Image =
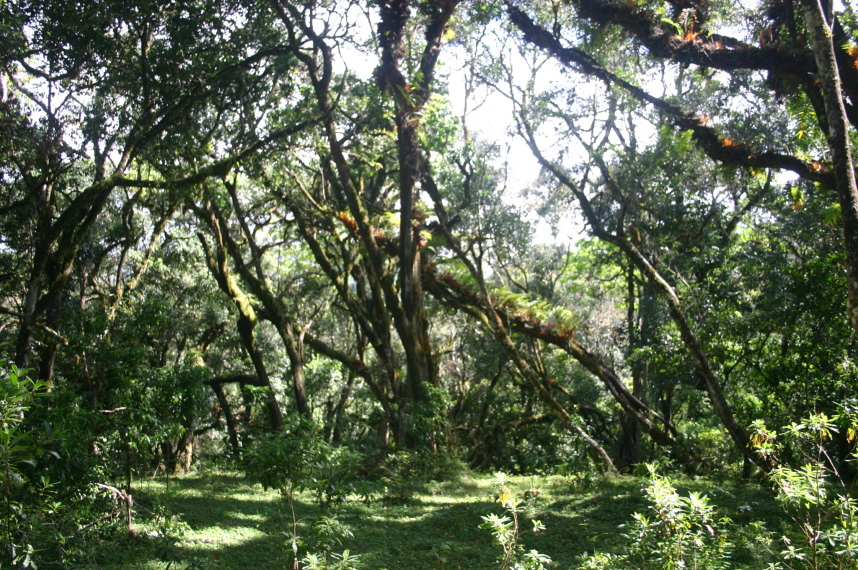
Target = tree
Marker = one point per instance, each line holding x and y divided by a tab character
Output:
106	100
792	71
343	218
692	41
395	293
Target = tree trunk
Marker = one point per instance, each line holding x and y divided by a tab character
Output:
821	35
276	311
627	452
333	416
246	324
231	427
247	315
49	352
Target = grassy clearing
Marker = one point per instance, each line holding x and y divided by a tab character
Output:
220	521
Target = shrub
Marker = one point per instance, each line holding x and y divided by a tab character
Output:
401	474
815	495
40	521
680	532
295	460
507	532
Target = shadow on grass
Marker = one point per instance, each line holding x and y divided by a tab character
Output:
230	524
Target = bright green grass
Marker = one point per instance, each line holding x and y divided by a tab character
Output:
226	523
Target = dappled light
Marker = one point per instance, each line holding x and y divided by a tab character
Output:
448	284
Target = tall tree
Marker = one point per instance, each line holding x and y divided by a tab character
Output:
408	79
687	35
808	61
107	99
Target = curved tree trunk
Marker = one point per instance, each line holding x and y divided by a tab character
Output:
247	319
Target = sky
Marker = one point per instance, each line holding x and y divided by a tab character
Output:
489	118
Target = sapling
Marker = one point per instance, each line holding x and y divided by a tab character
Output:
507	532
295	460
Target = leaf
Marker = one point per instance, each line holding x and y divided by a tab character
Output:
797	198
672	24
505	496
831	214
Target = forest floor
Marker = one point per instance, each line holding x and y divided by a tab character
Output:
215	519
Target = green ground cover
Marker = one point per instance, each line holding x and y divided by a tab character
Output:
215	519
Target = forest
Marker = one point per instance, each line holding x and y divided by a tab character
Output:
428	283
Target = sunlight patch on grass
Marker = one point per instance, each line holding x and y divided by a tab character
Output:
223	522
210	538
257	517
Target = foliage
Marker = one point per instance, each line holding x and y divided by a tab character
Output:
153	408
18	447
48	507
165	166
343	561
814	487
166	540
402	474
507	532
429	420
681	532
25	504
295	460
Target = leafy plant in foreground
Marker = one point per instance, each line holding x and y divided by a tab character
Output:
507	532
295	460
51	513
344	561
25	505
816	495
681	532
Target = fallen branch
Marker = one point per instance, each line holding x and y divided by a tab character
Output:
124	499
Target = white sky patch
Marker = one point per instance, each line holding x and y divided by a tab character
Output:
489	116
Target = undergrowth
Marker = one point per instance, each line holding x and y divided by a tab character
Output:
217	519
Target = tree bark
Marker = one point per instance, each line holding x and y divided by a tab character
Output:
821	35
247	319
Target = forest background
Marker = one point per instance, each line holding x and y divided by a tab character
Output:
214	221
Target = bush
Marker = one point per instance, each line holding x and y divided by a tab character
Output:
681	532
295	460
41	522
403	473
815	494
